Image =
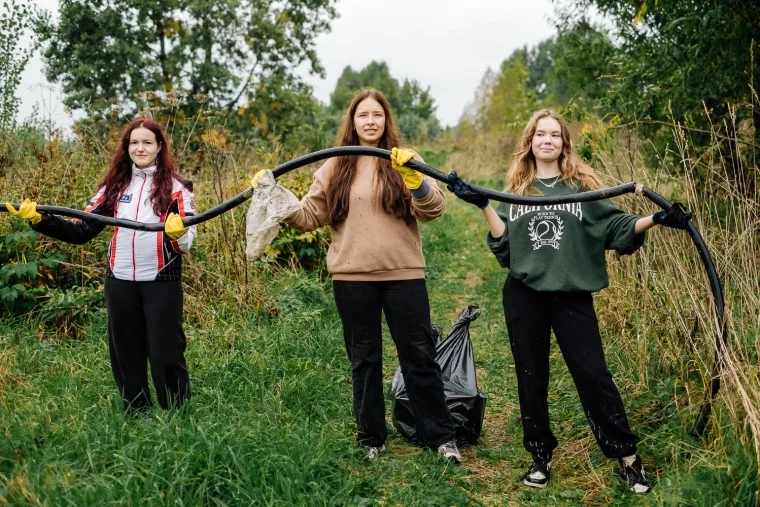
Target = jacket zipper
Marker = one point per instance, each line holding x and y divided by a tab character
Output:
134	233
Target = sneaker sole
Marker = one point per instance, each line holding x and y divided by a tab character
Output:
534	485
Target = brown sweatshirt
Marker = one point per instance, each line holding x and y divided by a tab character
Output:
370	245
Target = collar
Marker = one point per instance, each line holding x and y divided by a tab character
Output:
147	171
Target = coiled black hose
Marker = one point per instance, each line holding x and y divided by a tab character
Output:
626	188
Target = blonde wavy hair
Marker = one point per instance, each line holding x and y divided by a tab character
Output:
572	171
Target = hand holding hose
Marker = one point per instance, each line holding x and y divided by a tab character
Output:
174	227
27	211
465	191
676	217
399	157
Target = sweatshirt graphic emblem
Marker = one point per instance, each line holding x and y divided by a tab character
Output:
545	229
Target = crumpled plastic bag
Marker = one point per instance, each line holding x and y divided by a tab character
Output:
466	402
270	204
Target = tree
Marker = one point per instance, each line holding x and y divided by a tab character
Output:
413	106
106	51
17	23
693	62
679	57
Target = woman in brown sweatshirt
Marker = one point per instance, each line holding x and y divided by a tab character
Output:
375	258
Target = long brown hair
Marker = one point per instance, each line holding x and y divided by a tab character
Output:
572	171
392	195
119	172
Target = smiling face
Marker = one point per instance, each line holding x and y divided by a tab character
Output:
547	140
369	122
143	148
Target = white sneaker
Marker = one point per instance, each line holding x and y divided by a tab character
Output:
450	452
374	452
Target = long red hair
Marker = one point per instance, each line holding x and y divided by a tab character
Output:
392	195
119	172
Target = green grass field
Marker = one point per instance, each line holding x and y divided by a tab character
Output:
270	420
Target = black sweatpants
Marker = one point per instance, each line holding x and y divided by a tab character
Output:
530	316
145	326
407	311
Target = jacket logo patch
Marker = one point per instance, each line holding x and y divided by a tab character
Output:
126	198
545	229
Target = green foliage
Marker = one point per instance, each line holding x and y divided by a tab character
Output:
25	274
682	52
669	60
284	109
17	45
65	312
413	106
228	54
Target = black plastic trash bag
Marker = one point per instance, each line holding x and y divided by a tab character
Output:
466	403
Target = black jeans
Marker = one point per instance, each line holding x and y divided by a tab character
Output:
145	326
407	311
530	316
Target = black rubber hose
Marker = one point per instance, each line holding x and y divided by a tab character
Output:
719	306
321	155
715	287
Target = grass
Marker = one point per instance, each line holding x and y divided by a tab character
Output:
270	420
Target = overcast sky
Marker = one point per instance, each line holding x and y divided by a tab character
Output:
444	44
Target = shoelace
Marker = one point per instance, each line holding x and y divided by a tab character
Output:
537	468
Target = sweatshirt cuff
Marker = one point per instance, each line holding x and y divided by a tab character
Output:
632	242
498	244
422	191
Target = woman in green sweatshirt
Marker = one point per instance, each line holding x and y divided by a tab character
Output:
555	257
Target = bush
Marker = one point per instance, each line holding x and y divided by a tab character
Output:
25	274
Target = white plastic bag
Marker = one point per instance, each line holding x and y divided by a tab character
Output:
270	204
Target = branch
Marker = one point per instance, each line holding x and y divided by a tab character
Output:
244	88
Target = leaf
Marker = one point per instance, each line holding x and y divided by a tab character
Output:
8	295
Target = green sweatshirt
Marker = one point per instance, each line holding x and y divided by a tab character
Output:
561	247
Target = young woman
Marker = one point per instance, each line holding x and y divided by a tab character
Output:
143	288
375	259
555	257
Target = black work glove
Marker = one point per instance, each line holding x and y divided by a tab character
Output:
465	191
676	217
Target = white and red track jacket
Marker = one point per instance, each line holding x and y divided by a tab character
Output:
133	255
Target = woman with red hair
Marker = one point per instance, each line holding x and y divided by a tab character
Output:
143	287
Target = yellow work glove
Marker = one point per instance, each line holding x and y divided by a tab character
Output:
174	227
27	211
256	177
399	157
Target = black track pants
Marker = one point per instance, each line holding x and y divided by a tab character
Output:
530	316
407	311
145	327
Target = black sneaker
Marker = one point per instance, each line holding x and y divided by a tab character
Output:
635	477
538	474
